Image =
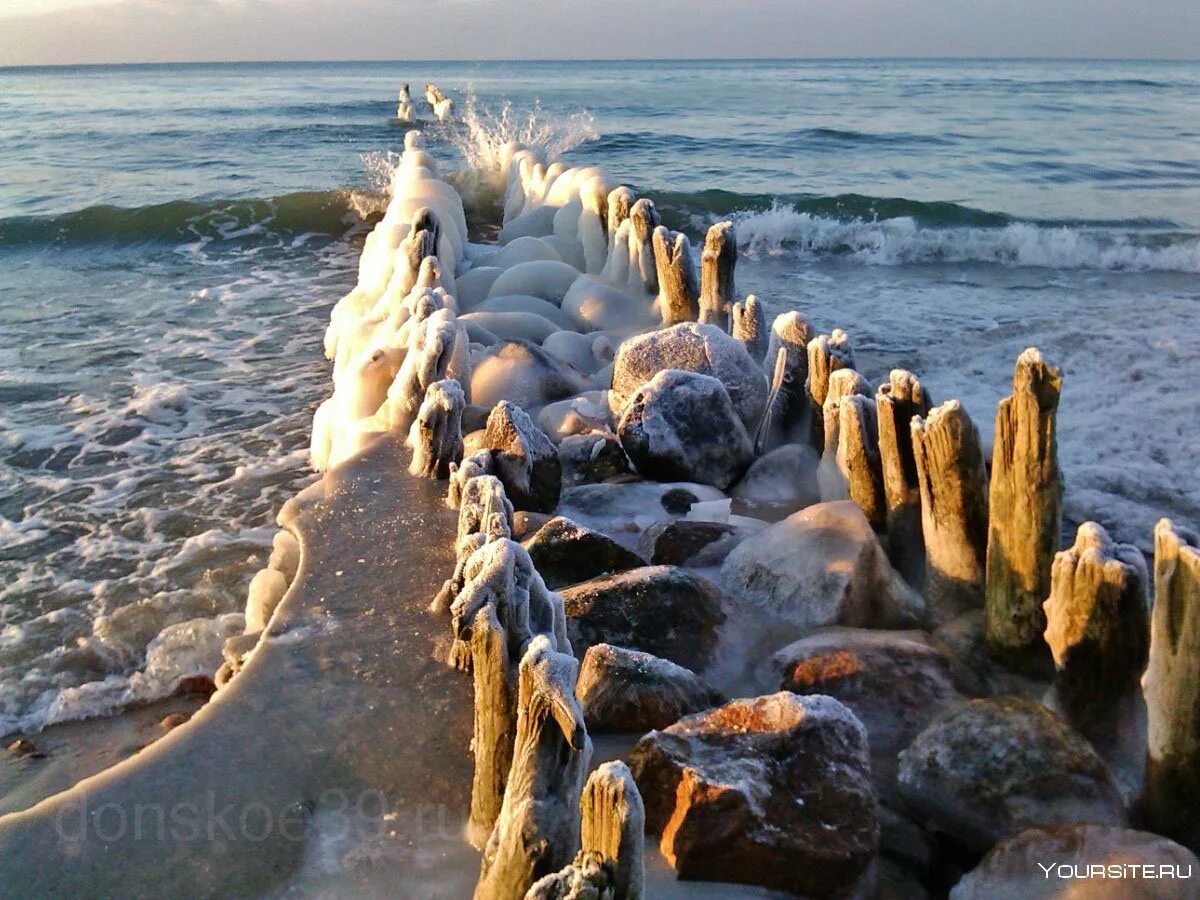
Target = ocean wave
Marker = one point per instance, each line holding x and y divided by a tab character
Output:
329	213
906	240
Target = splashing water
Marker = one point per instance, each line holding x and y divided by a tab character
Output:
485	132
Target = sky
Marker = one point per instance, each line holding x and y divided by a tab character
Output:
106	31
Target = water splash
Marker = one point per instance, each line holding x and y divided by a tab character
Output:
485	131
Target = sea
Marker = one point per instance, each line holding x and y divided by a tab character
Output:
172	238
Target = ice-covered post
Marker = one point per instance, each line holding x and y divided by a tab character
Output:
1172	686
896	403
537	832
716	275
484	514
678	294
842	383
620	203
826	354
953	486
750	327
436	434
643	271
614	824
788	403
1098	630
1025	502
421	242
858	456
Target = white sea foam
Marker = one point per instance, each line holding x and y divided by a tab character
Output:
783	230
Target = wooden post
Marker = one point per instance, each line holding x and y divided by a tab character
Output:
613	825
826	354
678	295
750	327
858	456
1025	501
436	434
716	275
896	403
953	487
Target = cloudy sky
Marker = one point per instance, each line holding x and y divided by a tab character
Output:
79	31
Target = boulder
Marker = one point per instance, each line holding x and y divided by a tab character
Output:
624	690
786	475
575	349
692	347
1016	868
683	426
511	325
523	459
575	415
990	768
773	791
589	458
635	505
548	279
565	552
896	682
526	523
687	542
595	305
525	374
662	610
822	566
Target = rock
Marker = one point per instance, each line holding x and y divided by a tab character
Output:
786	475
668	430
575	349
1017	867
548	279
662	610
511	325
772	790
591	458
691	347
633	506
991	768
896	682
822	566
1025	523
589	877
685	542
537	832
717	263
523	459
1172	686
524	374
565	553
595	305
575	415
1098	630
526	523
953	486
196	685
25	747
624	690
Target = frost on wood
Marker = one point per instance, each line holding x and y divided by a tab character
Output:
858	457
787	364
1025	500
1172	686
678	293
642	268
484	514
436	434
613	823
842	383
750	327
717	263
953	486
896	403
826	354
524	459
1097	628
537	832
471	467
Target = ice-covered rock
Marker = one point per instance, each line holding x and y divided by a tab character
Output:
548	279
686	542
436	434
990	768
512	325
521	303
772	790
523	458
576	349
662	610
595	305
634	506
575	415
623	690
668	427
521	250
566	553
691	347
822	566
1065	862
474	284
592	457
786	475
524	374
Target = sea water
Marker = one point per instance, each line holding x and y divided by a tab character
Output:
173	237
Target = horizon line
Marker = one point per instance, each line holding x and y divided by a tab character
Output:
603	59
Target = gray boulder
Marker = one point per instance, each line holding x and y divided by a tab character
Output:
525	374
591	458
662	610
523	459
623	690
692	347
786	475
565	552
990	768
682	426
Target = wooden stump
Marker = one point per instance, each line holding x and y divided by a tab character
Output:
858	456
750	327
953	486
787	406
643	272
1098	630
826	354
613	825
716	275
436	435
896	403
1172	687
678	294
1025	501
